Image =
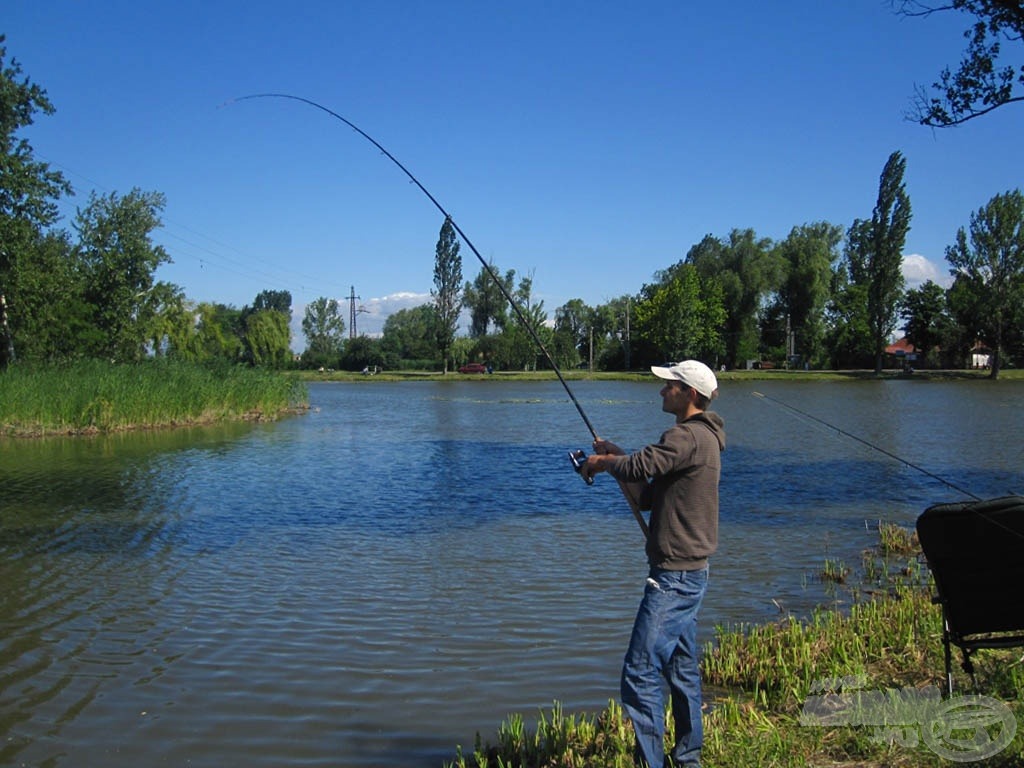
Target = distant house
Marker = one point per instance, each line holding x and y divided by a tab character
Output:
981	356
900	354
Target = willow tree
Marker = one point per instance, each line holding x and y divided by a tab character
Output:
268	338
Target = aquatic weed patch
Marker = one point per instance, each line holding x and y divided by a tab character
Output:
94	396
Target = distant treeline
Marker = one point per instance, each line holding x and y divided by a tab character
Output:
826	296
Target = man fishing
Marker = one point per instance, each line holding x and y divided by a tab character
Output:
677	480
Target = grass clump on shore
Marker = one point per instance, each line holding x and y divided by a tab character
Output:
92	396
761	681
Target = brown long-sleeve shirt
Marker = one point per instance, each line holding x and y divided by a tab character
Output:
682	472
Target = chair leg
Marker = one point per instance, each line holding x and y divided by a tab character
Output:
947	651
968	667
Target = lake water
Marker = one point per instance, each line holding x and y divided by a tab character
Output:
378	580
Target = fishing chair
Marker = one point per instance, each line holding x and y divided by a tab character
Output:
975	551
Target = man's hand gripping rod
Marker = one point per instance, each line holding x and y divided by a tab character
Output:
579	460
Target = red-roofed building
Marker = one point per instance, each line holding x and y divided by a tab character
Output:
900	354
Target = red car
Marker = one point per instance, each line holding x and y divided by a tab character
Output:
473	368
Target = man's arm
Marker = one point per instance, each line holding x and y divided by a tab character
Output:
605	453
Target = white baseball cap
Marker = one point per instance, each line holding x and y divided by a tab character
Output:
692	373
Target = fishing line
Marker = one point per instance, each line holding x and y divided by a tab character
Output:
519	313
868	444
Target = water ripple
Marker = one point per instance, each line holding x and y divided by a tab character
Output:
374	582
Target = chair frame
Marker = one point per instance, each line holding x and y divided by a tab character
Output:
971	548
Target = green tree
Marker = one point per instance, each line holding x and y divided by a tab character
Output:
613	331
281	301
268	338
574	324
848	338
409	335
324	329
54	321
929	326
681	316
807	255
29	191
220	333
981	83
118	260
748	271
875	252
169	322
447	291
362	353
520	349
487	305
988	268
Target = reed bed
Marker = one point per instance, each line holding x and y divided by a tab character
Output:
885	635
94	396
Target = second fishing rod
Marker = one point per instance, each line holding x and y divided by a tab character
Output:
864	442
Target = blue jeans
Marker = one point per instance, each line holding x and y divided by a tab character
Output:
664	647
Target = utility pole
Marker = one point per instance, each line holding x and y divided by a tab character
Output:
627	333
790	346
352	312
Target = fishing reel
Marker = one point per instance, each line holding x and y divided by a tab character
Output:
578	459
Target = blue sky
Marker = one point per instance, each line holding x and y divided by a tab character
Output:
588	144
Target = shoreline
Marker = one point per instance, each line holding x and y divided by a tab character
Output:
938	375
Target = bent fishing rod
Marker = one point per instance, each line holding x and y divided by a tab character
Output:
574	456
872	446
504	291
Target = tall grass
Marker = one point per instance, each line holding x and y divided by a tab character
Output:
758	678
96	396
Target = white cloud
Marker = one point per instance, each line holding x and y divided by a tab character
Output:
370	314
918	269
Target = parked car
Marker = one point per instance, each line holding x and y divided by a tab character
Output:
473	368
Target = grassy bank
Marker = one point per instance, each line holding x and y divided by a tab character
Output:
94	396
884	635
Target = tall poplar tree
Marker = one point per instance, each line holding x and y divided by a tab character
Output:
447	291
875	252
